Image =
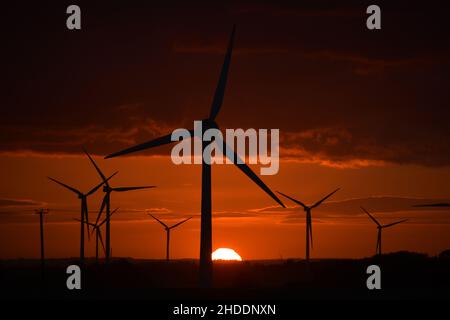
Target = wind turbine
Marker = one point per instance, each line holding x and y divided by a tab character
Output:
206	206
106	203
98	233
167	228
41	213
308	209
84	208
381	227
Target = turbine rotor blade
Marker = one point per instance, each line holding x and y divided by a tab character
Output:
100	184
114	211
146	145
89	223
105	181
176	225
124	189
67	187
371	217
221	85
101	240
246	170
394	223
162	223
106	219
319	202
292	199
102	207
432	205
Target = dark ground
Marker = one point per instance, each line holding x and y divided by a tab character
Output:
404	275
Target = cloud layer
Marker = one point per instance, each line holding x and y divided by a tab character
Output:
346	211
341	95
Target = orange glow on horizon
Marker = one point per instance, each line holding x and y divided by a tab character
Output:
244	218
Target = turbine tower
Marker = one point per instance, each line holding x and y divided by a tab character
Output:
84	208
167	228
106	203
308	209
380	228
41	213
205	271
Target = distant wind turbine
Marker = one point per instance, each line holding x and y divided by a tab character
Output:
41	213
106	203
84	208
206	206
98	233
308	209
381	227
167	228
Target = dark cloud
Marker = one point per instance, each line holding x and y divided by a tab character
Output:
340	94
339	146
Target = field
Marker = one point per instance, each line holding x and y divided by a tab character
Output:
404	275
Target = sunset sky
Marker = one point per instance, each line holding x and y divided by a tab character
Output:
366	111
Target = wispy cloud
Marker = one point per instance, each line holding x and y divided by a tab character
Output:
385	207
19	203
343	211
366	65
158	210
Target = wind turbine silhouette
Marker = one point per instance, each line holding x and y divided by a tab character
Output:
206	207
41	212
308	209
98	233
84	208
106	203
167	228
381	227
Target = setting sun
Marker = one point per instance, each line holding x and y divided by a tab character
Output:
226	254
